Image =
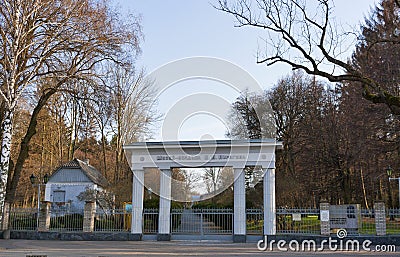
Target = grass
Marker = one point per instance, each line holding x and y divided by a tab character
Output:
310	224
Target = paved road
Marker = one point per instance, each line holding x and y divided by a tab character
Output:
22	248
190	222
194	223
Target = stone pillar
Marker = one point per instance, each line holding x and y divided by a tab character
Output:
269	203
44	217
380	218
164	217
239	206
324	218
89	213
137	205
5	216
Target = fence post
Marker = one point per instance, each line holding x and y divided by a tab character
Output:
44	217
4	220
380	218
324	218
88	216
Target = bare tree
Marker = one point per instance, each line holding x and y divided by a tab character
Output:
211	178
44	45
217	179
303	34
102	113
57	108
104	199
292	100
132	102
184	184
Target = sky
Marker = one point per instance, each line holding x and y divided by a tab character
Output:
176	29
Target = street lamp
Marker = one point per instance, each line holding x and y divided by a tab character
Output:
389	172
38	182
150	191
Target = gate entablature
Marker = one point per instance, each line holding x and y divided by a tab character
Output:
209	153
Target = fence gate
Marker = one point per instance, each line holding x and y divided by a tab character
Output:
201	223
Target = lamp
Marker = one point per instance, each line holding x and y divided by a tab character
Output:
33	179
389	171
38	182
46	178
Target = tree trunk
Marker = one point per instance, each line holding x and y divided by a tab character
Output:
363	188
7	128
24	147
60	141
103	146
345	186
71	148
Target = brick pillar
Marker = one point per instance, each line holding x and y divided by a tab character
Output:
88	216
380	218
324	218
44	217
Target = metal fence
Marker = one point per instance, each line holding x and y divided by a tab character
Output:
217	221
150	221
205	221
393	221
202	221
112	220
297	221
254	221
66	220
23	219
367	220
288	221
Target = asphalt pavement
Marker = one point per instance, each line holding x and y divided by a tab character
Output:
34	248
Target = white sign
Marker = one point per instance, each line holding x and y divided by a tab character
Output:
324	215
296	216
201	157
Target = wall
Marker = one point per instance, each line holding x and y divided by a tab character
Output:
72	190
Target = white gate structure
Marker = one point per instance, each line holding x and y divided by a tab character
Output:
237	154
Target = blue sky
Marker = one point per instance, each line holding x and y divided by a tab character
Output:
175	29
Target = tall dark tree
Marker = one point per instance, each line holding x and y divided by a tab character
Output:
243	106
378	51
251	116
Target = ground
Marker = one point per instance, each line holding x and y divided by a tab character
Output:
149	248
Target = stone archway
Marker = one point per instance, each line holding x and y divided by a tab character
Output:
237	154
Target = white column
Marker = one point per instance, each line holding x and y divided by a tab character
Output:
165	205
239	204
137	201
269	203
